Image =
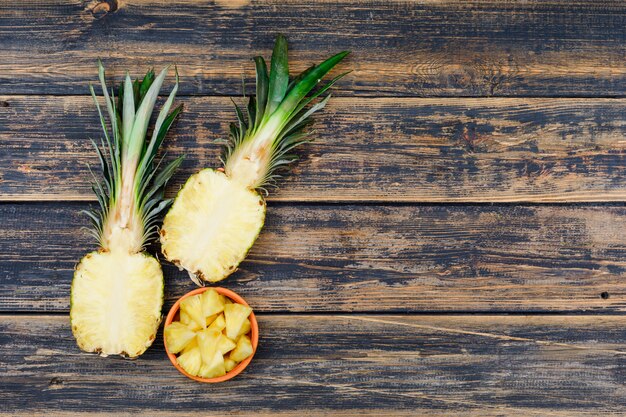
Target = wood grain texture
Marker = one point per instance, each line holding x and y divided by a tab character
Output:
424	150
428	48
364	258
390	365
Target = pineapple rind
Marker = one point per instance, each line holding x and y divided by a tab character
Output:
212	225
115	302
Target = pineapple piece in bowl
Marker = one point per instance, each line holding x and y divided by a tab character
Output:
211	334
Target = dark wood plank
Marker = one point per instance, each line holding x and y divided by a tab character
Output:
443	48
339	365
364	258
426	150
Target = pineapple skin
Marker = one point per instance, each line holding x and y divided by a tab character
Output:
153	320
198	275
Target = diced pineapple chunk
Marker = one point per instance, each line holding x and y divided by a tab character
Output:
210	326
191	345
214	368
225	345
208	343
192	306
235	315
245	327
186	320
243	349
229	364
219	323
212	302
210	319
177	336
191	361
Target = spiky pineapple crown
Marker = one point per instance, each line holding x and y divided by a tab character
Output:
131	193
276	120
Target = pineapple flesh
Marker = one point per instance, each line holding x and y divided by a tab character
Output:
212	216
218	214
117	291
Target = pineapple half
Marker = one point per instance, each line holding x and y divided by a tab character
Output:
117	291
218	214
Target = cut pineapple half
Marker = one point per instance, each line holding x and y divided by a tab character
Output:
116	302
218	215
211	215
117	292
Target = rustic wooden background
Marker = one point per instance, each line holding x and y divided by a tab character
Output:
452	244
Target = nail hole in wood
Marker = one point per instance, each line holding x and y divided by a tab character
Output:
604	295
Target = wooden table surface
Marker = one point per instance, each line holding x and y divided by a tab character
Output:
451	244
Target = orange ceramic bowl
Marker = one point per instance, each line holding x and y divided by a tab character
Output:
254	335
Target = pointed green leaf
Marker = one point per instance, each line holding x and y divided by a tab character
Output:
251	111
318	93
163	177
128	117
262	85
302	116
300	90
105	91
153	145
279	75
143	88
142	117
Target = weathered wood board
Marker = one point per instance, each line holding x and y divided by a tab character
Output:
364	258
410	150
313	365
398	274
400	48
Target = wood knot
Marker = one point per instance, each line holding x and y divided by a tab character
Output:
102	8
533	170
55	381
4	103
471	135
